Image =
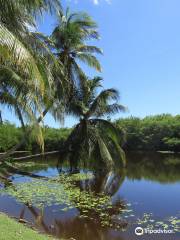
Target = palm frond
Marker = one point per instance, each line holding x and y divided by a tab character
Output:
89	60
19	54
105	154
112	134
99	105
89	49
108	110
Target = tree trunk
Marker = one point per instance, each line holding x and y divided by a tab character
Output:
36	155
1	121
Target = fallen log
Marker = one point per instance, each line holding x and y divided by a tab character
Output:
3	153
36	155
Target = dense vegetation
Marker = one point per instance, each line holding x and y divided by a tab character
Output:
10	135
152	133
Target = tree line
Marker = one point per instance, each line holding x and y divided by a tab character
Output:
10	135
152	133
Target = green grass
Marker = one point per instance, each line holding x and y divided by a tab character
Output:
10	229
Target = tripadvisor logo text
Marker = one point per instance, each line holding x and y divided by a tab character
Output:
140	231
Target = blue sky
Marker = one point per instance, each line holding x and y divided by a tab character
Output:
141	44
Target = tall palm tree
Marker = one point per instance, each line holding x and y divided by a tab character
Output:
94	137
69	41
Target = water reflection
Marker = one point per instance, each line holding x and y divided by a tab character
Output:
74	227
158	168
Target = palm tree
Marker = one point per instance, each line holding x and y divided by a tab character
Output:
94	137
26	63
15	15
1	121
68	43
68	40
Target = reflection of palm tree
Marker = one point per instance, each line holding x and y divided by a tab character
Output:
79	227
82	229
113	182
39	218
106	182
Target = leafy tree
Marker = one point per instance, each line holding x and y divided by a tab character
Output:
152	133
9	136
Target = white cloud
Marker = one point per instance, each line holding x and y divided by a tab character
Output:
96	2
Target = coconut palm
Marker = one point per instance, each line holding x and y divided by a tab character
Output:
16	15
23	61
94	137
18	45
69	42
26	63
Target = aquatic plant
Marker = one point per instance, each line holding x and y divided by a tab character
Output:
65	192
149	222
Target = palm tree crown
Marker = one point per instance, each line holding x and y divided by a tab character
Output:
94	137
69	39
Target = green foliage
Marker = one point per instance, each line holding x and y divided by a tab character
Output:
170	223
153	133
69	39
157	133
53	139
10	135
158	167
94	137
26	63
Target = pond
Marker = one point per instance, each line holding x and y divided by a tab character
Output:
97	205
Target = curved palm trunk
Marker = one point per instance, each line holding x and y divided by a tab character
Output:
1	121
21	118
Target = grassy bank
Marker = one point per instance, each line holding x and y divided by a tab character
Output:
12	230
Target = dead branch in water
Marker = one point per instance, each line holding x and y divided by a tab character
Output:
36	155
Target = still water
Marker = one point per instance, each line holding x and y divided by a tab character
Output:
149	188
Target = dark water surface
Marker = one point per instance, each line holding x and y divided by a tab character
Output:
150	187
